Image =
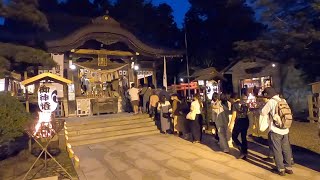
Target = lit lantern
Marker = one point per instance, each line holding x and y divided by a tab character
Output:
47	102
47	98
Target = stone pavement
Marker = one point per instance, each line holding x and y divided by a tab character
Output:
168	157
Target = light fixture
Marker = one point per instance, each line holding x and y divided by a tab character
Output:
273	65
181	79
136	67
73	67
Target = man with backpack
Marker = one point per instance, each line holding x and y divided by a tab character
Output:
279	121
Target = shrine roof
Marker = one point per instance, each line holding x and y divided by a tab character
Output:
46	76
208	74
108	31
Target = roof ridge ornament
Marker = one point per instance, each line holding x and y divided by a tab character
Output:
105	20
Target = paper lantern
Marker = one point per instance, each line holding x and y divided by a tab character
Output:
47	98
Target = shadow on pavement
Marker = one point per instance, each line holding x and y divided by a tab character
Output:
302	156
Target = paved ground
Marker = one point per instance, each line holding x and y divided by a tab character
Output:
169	157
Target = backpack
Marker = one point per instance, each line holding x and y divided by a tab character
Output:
285	114
243	110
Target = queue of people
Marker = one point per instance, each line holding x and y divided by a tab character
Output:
174	115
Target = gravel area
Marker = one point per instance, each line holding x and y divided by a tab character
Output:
304	135
17	166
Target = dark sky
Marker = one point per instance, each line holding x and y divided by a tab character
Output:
180	7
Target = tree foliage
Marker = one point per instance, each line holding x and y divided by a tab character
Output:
213	27
24	11
292	34
19	57
13	118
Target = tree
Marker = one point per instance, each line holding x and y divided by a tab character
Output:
292	34
213	26
18	57
13	118
24	11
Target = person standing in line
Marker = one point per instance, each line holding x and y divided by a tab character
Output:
134	98
178	114
164	92
154	100
164	107
221	117
195	118
146	99
240	121
278	137
215	105
140	99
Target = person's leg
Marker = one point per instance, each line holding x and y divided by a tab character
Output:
244	131
133	107
222	132
235	134
270	157
175	122
147	107
196	133
199	118
276	146
287	153
216	136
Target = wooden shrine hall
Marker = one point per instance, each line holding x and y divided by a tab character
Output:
103	59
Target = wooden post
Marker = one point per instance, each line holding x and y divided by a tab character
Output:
165	81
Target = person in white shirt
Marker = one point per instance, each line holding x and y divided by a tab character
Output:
195	122
134	98
278	138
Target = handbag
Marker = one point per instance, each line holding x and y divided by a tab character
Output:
191	116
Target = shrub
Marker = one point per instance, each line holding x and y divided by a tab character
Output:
13	118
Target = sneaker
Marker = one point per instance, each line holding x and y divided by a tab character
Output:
288	171
241	156
282	173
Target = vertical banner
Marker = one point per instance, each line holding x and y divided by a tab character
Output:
165	82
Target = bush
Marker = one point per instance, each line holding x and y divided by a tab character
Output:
13	118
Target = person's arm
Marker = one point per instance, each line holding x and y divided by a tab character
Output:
174	106
151	101
233	118
266	109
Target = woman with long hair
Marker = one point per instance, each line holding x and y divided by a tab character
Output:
220	114
195	118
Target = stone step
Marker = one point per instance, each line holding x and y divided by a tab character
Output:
108	128
102	119
71	128
110	138
112	133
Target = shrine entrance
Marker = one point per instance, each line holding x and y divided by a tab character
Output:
103	59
